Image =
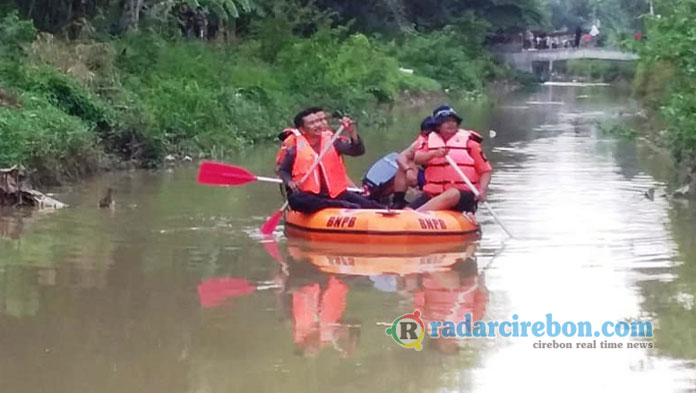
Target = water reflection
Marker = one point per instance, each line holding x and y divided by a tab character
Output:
313	282
15	221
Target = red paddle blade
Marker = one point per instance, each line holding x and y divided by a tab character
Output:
272	249
213	291
217	173
270	225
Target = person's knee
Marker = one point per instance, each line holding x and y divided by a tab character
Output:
350	205
467	202
452	196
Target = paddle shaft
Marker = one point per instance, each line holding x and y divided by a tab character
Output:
279	181
321	155
476	192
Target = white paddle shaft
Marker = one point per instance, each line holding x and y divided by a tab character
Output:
476	192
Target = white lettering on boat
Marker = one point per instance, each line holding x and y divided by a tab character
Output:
341	260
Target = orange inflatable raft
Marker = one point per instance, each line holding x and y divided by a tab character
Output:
370	226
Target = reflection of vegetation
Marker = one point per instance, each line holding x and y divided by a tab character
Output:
673	302
670	303
39	259
18	296
600	70
618	129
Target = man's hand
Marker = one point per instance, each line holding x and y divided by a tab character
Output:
483	187
349	126
441	152
412	176
293	186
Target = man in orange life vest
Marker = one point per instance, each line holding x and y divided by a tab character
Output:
327	185
324	118
444	189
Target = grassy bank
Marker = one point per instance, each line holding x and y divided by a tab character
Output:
69	108
666	79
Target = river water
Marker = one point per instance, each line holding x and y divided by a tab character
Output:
167	292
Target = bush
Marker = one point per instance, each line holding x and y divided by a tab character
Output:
197	96
444	56
15	34
67	94
43	137
351	71
668	53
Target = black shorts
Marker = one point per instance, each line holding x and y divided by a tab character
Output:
467	202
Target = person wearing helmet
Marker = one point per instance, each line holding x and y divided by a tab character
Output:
444	189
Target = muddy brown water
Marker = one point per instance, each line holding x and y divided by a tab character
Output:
159	294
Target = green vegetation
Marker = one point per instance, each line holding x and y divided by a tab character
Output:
106	82
618	129
667	75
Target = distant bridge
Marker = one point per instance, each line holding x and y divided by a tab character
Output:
522	60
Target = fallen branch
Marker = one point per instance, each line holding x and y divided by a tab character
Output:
14	194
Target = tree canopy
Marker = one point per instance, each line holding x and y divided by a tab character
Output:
372	16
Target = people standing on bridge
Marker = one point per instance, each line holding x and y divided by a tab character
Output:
528	40
578	34
594	34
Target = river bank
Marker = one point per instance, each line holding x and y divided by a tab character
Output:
71	109
666	81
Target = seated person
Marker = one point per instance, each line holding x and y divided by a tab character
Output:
326	185
409	174
324	118
444	189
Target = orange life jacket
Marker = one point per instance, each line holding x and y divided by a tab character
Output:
316	310
452	304
287	137
439	174
331	167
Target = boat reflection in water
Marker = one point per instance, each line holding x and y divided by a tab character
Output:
443	285
313	282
